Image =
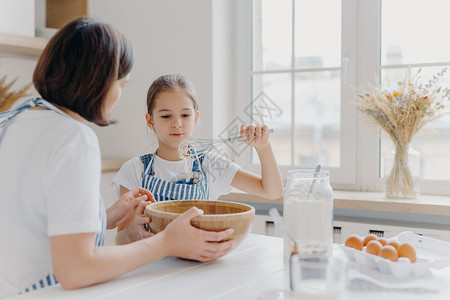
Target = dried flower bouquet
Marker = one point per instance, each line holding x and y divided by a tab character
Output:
401	113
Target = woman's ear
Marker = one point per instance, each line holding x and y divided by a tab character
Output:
149	119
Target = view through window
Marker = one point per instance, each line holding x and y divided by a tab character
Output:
296	67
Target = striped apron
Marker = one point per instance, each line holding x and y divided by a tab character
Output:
194	189
7	116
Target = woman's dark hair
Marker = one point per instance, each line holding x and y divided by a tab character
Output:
171	82
79	65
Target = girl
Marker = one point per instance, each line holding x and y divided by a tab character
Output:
52	219
172	113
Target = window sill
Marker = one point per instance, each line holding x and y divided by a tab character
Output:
424	204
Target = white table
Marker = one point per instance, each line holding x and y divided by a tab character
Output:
256	266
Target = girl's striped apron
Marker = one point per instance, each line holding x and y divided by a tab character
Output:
163	190
7	116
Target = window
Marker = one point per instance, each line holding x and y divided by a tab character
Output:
296	84
299	66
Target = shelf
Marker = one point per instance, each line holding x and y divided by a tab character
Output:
58	12
21	45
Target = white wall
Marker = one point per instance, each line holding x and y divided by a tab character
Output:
20	68
171	36
222	66
17	17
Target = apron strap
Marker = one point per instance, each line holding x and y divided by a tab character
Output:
8	115
100	237
147	160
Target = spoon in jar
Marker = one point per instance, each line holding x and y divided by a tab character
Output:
273	212
317	170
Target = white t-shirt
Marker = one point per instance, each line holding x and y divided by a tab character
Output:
50	168
219	171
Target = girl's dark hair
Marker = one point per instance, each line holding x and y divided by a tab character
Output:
171	82
79	65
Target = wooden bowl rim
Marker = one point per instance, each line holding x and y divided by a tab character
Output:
251	211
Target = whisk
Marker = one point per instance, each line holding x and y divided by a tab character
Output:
194	149
191	150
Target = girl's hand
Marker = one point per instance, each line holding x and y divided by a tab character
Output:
258	137
135	230
125	206
184	240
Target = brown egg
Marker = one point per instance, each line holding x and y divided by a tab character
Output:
373	247
354	241
382	241
388	252
406	250
369	238
394	244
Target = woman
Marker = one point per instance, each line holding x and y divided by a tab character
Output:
52	218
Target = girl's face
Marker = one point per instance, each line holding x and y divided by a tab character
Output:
113	94
173	118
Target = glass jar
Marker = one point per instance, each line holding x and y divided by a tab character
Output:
308	210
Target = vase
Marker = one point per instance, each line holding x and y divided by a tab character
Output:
402	169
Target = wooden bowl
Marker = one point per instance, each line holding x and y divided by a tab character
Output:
218	216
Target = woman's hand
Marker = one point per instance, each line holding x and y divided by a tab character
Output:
184	240
121	210
258	137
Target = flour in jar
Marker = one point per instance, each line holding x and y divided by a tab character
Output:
309	221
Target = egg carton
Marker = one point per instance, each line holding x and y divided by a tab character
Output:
430	253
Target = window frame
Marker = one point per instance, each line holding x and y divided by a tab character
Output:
361	65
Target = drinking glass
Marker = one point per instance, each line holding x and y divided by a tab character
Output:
317	276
